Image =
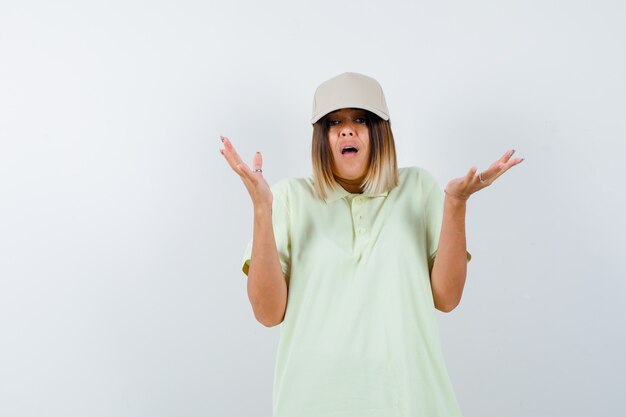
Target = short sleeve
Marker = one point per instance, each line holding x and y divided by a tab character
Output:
433	217
281	226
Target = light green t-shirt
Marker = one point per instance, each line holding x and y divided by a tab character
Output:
359	337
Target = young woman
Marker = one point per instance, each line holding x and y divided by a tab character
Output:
353	262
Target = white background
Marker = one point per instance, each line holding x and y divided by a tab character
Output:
122	229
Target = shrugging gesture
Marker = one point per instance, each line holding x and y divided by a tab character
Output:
267	288
450	267
461	188
256	185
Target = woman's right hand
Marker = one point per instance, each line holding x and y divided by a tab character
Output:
256	185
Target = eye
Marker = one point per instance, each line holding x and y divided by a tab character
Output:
332	122
361	120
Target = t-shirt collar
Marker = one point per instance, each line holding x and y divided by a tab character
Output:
339	192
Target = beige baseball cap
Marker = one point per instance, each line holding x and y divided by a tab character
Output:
349	90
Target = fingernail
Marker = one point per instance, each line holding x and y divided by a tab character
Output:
522	160
222	151
259	153
513	151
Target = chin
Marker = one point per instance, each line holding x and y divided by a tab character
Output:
350	173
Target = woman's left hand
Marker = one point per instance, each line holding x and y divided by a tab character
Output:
462	188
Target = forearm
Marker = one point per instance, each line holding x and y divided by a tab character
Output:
267	289
450	268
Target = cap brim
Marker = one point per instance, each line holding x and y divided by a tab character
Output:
324	112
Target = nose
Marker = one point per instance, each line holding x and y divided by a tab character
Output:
347	130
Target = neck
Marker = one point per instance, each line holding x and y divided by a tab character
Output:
351	186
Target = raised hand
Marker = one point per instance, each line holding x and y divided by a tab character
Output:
256	185
462	188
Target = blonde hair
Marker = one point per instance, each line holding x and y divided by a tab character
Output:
382	174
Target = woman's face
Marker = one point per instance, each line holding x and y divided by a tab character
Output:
349	139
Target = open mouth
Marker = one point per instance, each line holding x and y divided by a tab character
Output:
349	150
